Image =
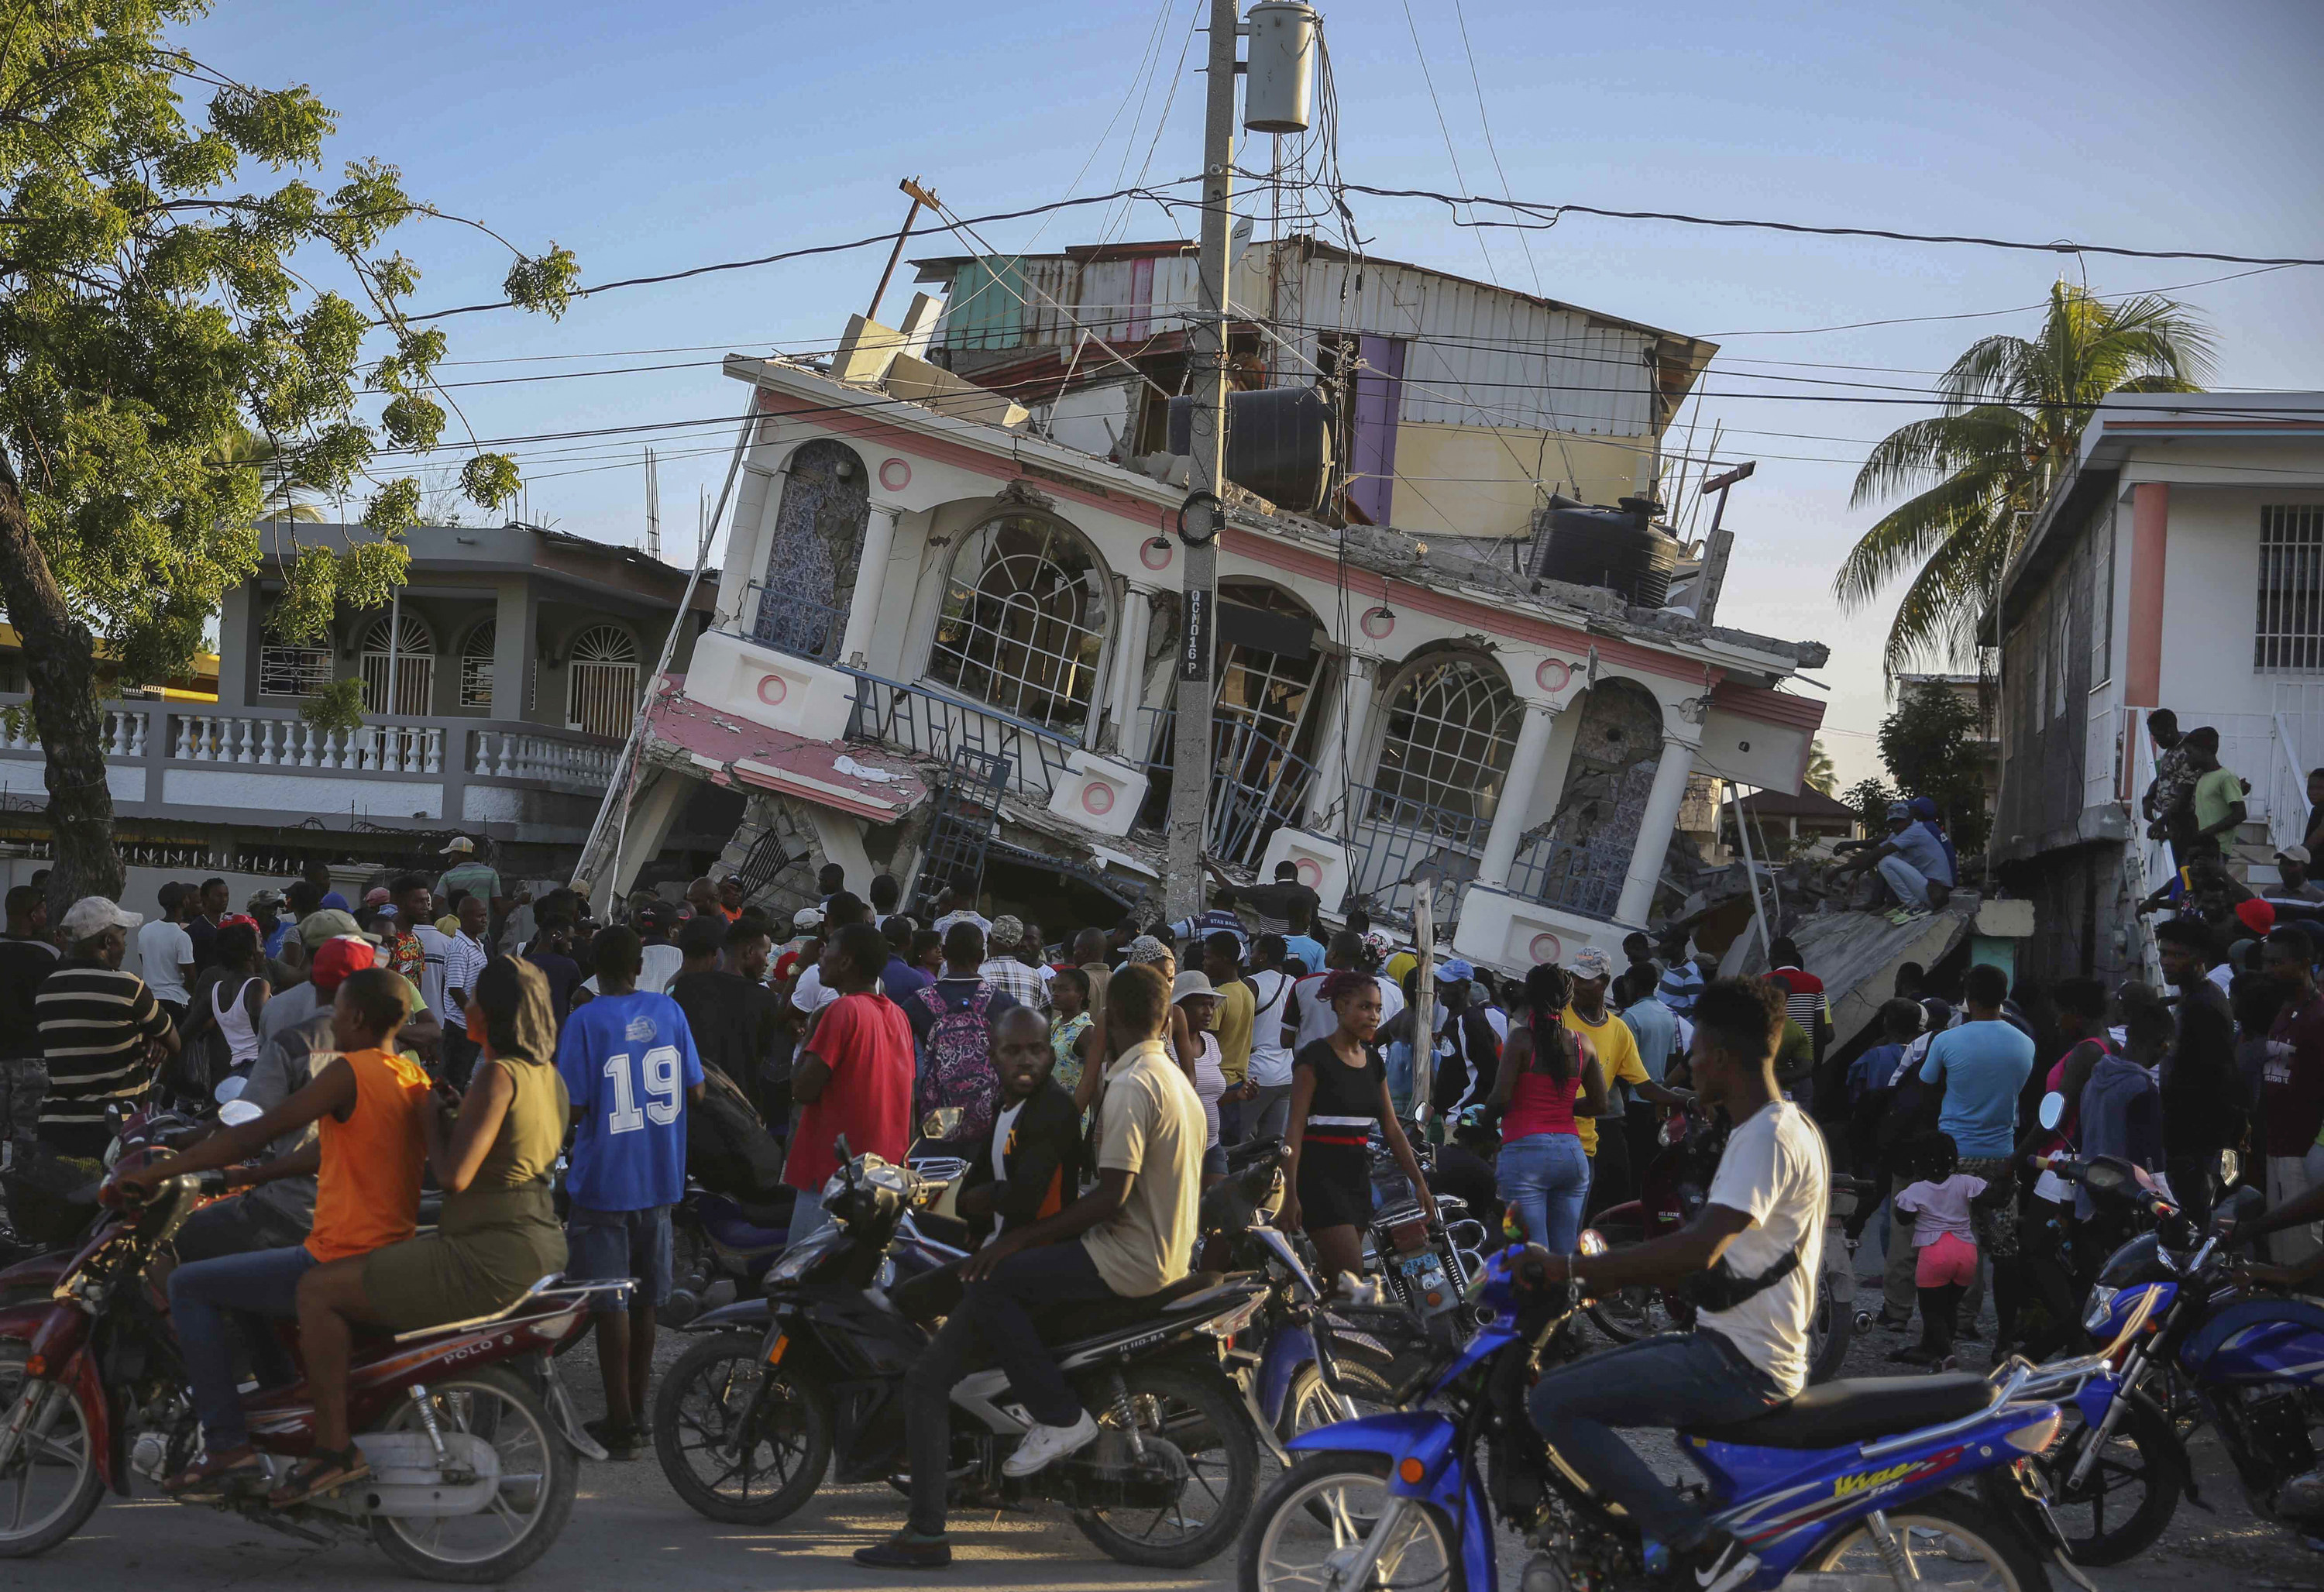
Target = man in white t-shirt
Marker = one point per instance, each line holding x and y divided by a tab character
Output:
1751	1258
165	951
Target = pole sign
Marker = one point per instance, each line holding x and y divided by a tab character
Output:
1195	634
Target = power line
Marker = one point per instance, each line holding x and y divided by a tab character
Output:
1901	320
1547	215
1154	192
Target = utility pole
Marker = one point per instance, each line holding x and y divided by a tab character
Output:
1199	520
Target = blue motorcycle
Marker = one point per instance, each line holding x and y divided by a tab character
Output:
1850	1482
2250	1364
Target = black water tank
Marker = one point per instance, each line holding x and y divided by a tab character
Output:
1585	546
1279	444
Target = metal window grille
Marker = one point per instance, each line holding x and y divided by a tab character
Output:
293	671
1451	729
602	681
2291	627
415	667
1025	630
476	665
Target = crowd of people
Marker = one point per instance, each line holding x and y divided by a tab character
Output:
440	1029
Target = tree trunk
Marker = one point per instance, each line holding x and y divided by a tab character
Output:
59	663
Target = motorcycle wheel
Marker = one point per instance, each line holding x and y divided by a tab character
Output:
1307	1405
1198	1412
49	1490
1830	1327
702	1400
1324	1506
539	1473
2128	1497
1951	1530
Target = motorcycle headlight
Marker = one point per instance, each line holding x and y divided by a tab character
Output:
795	1262
2100	1307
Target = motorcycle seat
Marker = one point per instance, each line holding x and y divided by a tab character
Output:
1082	1319
1840	1413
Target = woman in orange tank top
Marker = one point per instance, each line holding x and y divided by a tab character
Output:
366	1100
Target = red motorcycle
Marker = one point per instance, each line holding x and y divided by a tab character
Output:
469	1434
1671	1192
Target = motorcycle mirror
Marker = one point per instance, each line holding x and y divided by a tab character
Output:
941	1123
230	1088
2054	1109
234	1113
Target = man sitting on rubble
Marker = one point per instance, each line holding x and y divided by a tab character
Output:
1910	859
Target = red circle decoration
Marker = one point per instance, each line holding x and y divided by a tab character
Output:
1545	948
1155	554
895	475
1553	674
1097	798
1377	622
1310	872
772	689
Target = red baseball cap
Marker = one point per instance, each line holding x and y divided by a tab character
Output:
2257	915
338	957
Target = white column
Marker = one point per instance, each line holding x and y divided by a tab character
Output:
1357	676
870	576
1127	687
1671	775
1516	796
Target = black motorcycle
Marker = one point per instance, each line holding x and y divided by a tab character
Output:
747	1424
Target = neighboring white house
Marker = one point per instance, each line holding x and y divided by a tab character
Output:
2179	564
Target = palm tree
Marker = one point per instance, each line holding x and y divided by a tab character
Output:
2014	411
254	450
1820	774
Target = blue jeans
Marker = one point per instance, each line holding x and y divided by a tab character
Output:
256	1287
1673	1382
1545	1177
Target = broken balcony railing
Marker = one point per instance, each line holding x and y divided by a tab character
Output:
936	724
1256	784
798	625
1556	872
1397	842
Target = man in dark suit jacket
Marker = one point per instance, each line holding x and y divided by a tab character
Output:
1031	1166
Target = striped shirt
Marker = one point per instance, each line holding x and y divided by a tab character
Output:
95	1024
1803	1000
1681	983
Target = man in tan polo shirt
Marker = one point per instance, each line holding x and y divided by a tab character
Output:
1131	1237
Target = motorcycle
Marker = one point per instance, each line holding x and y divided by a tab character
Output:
716	1238
2252	1364
468	1432
1852	1481
747	1424
1670	1193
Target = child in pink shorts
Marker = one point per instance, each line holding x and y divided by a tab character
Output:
1946	1241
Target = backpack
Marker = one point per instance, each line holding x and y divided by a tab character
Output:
956	1062
728	1149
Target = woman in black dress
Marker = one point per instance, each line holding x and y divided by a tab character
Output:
1338	1090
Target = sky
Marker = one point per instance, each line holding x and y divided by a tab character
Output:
650	139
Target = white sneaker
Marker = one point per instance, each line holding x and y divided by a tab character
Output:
1045	1444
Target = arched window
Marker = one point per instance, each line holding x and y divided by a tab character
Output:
814	549
601	682
413	663
1024	621
476	665
1451	726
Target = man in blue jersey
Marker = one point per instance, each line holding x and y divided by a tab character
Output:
628	1064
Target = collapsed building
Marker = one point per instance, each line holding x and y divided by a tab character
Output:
950	624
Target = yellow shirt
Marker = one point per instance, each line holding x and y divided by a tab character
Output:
1617	1057
1232	1025
1397	966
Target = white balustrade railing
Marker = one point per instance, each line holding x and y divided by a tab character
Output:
293	743
125	730
559	764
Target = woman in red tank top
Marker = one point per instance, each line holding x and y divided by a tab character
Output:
1543	1176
